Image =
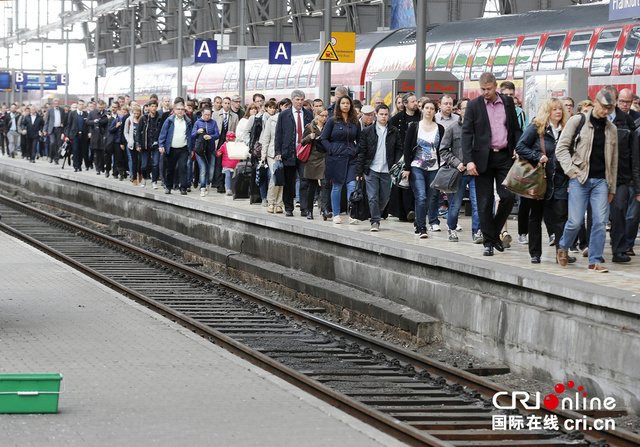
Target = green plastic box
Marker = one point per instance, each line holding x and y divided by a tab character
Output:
29	393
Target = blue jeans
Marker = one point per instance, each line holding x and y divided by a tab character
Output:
228	175
594	191
152	155
420	181
455	201
633	219
336	193
207	166
378	191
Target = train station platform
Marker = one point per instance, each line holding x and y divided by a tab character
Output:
549	322
133	377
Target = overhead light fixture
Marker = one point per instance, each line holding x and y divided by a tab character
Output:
317	14
269	23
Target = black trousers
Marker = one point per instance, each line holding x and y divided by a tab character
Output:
32	148
618	212
98	159
497	168
560	209
303	191
289	189
176	159
79	148
523	216
54	143
121	160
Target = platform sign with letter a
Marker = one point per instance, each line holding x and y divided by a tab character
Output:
205	51
280	53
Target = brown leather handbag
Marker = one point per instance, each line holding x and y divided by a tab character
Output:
526	180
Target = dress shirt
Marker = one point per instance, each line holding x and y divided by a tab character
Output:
57	122
498	123
379	163
179	133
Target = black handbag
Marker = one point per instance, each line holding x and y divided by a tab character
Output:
358	203
201	146
447	180
278	173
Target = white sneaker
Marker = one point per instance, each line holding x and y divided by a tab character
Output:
143	182
155	185
353	221
458	228
435	227
229	192
203	192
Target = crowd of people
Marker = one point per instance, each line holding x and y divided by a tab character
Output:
591	158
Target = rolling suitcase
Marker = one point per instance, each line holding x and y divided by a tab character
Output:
241	180
254	189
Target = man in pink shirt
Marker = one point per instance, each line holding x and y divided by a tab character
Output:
489	135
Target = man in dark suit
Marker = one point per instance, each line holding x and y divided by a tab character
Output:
489	135
289	129
54	129
31	127
76	131
97	123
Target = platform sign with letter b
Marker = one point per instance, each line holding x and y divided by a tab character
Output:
205	51
280	53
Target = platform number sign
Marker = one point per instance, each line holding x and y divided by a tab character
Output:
205	51
280	53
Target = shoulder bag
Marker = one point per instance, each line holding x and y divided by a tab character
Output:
303	151
447	180
525	180
237	150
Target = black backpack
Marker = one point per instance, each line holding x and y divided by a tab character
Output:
256	131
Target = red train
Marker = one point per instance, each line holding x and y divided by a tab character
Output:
577	36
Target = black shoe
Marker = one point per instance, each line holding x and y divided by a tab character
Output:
51	160
411	216
310	216
56	161
303	213
535	259
106	174
97	172
488	251
289	213
571	259
621	257
167	191
498	246
183	192
76	170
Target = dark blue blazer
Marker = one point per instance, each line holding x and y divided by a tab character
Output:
285	139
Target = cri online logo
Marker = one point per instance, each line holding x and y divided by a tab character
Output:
552	401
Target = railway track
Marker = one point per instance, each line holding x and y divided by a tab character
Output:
416	399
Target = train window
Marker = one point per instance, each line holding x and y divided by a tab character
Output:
251	79
233	81
443	57
551	52
502	58
314	75
304	73
262	75
282	76
603	53
628	58
271	77
225	82
525	56
479	64
428	55
577	49
293	73
460	62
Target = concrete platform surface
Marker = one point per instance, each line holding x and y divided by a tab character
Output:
134	378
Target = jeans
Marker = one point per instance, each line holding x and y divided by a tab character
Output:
420	181
595	192
13	138
378	191
455	201
207	166
336	194
152	155
228	175
633	219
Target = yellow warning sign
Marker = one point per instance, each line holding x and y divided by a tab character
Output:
328	54
344	44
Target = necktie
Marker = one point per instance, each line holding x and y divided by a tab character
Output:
226	121
299	127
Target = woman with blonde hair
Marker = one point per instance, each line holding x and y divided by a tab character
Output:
398	105
538	145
